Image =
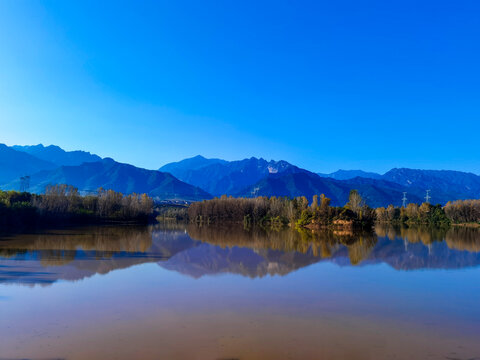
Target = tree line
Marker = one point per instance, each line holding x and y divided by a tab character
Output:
463	211
319	213
64	204
413	214
454	212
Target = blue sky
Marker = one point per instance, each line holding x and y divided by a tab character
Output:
322	84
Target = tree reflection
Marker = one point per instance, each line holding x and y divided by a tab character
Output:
62	246
322	244
463	238
416	234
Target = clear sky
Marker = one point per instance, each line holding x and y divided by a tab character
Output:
322	84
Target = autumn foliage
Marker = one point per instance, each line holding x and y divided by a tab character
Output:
64	204
281	211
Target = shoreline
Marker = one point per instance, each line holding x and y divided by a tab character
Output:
470	225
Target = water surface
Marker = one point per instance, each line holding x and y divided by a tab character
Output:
175	292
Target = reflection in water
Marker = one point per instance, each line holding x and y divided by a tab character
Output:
73	254
464	239
313	245
427	248
332	305
457	237
60	247
321	244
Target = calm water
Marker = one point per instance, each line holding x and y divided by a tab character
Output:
204	293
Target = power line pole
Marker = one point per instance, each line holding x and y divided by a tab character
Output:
428	197
404	200
24	183
27	183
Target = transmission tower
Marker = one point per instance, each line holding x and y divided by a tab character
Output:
428	197
24	183
404	200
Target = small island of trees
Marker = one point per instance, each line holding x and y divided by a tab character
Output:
278	211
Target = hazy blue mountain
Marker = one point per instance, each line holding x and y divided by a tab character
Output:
14	164
351	174
445	185
57	155
182	169
383	192
299	184
375	192
110	174
229	177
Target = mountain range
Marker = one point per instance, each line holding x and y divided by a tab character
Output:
259	177
14	164
88	173
56	155
227	177
199	178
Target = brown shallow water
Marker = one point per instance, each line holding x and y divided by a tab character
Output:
177	293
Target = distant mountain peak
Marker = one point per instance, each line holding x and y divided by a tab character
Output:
219	177
56	155
15	164
199	157
351	174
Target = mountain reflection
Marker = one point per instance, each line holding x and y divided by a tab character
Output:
74	254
